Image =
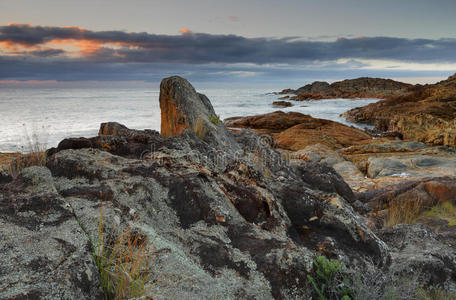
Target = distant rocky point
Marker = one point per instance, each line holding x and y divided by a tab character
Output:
364	87
426	114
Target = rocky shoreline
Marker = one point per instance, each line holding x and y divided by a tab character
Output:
363	87
229	214
427	115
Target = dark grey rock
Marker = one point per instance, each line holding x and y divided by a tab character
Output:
227	217
5	177
44	254
418	252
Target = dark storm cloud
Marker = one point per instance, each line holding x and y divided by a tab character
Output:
118	55
31	69
208	48
45	52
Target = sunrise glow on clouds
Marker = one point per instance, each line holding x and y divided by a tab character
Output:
30	52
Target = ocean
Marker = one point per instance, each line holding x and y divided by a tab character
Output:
52	114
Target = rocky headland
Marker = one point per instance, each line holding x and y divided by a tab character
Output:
228	214
427	115
364	87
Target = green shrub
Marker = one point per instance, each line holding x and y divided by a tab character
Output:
215	120
329	282
443	211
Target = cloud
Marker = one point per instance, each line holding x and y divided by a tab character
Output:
208	48
30	52
185	31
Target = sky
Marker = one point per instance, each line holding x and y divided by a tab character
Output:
287	42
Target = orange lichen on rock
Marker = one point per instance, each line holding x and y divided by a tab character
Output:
173	122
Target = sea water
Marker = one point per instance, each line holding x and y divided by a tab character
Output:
52	114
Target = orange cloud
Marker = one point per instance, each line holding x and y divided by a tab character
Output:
75	28
185	31
14	46
86	47
20	24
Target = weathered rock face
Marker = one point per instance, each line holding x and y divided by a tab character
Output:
227	217
245	229
182	108
272	122
427	191
363	87
427	115
295	131
233	226
418	252
44	253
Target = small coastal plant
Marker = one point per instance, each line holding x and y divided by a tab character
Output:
444	211
122	262
435	294
34	154
215	120
403	212
328	281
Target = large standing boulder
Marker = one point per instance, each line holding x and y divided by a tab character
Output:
182	108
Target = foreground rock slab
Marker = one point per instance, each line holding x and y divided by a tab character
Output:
44	253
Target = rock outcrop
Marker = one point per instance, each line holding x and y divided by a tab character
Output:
427	115
420	254
295	131
363	87
226	216
183	109
245	229
45	254
282	104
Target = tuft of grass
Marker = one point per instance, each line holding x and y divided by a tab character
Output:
403	212
215	120
26	160
444	211
200	128
123	263
34	154
436	294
